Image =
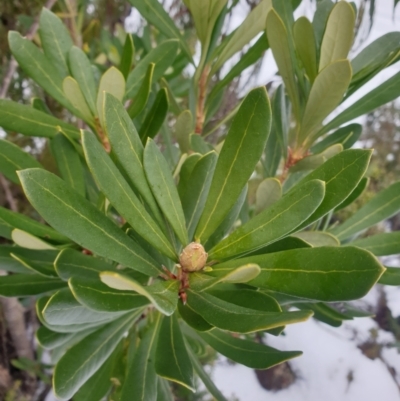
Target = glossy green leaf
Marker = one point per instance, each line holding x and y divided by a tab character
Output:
71	263
55	40
83	360
49	339
95	295
68	163
155	117
341	174
141	378
63	309
128	150
172	360
240	153
154	13
31	122
326	93
325	313
140	100
205	378
26	285
196	190
81	70
183	128
382	94
41	262
268	192
128	52
324	274
228	316
253	24
74	94
164	189
273	223
8	263
163	294
380	244
317	238
162	56
282	245
278	39
382	206
248	353
339	34
347	136
304	39
37	66
391	276
10	220
26	240
122	196
112	82
75	217
185	172
358	191
192	318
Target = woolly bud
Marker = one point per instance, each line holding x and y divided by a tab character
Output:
193	258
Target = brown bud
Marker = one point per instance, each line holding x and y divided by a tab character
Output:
193	258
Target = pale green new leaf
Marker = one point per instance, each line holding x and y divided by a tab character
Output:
183	128
317	238
268	192
29	241
74	94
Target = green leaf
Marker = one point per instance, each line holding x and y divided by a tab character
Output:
341	174
192	318
228	316
333	80
83	360
391	276
112	82
205	378
13	158
249	353
185	172
163	294
253	24
325	313
273	223
241	152
37	66
382	94
74	94
382	206
278	39
183	128
63	309
141	98
339	34
8	263
163	391
358	191
26	240
198	144
317	238
323	274
41	262
304	39
75	217
49	339
172	360
128	52
55	40
68	163
11	220
155	117
164	189
268	192
26	285
196	190
81	70
155	14
128	150
71	263
162	56
141	378
347	136
28	121
380	244
321	15
121	195
95	295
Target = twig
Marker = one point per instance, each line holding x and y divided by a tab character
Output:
13	64
12	203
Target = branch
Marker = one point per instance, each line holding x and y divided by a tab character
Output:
13	64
